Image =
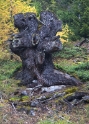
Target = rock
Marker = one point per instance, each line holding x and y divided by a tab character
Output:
31	112
27	92
52	88
24	93
86	98
34	103
35	81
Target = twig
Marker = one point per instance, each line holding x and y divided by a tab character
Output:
51	98
12	104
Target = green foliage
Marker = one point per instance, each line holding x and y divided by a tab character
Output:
69	52
73	60
76	16
83	75
80	70
83	66
37	5
42	5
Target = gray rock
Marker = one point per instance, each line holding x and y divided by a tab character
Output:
32	112
53	88
34	103
24	93
35	81
86	98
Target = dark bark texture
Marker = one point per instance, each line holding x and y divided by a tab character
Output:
34	43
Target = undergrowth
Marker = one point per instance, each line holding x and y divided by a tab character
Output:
73	60
8	67
70	52
80	70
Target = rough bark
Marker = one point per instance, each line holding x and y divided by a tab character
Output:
34	43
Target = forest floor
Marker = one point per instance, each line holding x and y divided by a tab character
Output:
16	108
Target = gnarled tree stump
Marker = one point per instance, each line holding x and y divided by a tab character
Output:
35	43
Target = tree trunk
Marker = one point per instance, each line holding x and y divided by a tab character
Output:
35	46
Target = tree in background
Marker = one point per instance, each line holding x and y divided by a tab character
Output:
76	15
80	19
42	5
7	9
64	34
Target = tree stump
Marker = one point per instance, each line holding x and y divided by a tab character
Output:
34	43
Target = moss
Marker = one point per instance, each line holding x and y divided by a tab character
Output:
25	98
61	99
68	92
14	99
67	95
19	107
71	90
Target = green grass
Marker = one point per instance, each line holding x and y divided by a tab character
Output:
80	70
7	82
70	52
73	60
7	68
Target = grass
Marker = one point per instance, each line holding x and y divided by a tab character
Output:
7	82
8	67
70	52
79	70
73	60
